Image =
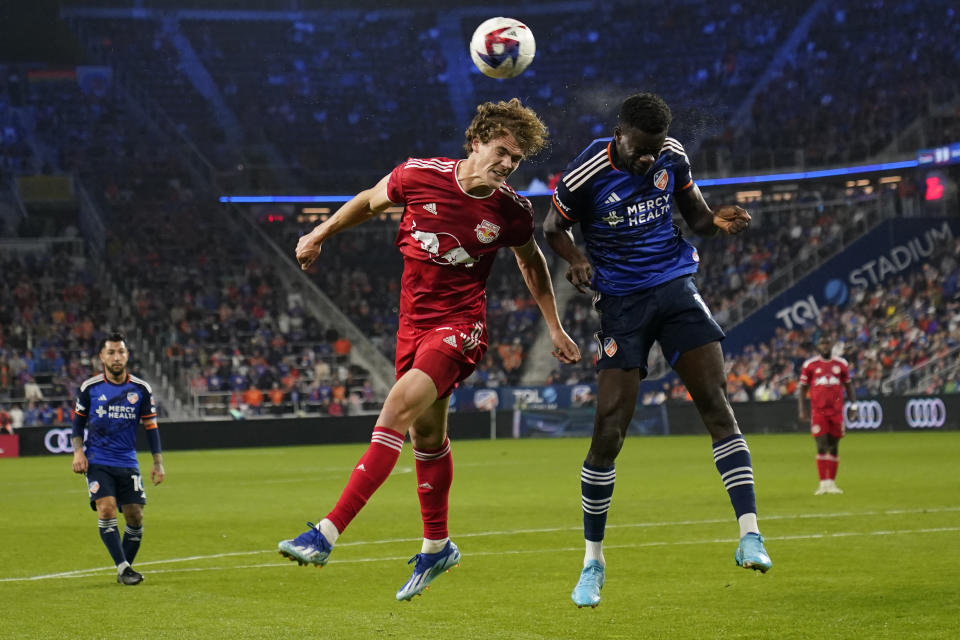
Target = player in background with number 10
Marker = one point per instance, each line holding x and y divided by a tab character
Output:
110	406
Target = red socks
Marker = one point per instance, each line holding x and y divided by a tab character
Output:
827	466
434	477
371	470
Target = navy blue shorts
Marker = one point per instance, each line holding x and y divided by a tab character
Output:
672	313
123	483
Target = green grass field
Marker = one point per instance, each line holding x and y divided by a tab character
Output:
880	561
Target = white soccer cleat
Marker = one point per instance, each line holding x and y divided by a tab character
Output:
832	487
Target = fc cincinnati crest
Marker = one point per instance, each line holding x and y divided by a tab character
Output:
487	232
132	397
660	179
610	346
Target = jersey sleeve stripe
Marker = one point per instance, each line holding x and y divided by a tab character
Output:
583	174
559	210
89	381
442	167
586	166
687	186
676	148
674	144
152	424
140	381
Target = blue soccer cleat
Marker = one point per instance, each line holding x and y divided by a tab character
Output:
587	591
428	567
309	547
751	554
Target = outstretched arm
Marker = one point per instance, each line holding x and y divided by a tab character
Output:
729	218
533	266
560	238
357	210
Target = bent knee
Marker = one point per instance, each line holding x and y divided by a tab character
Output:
106	513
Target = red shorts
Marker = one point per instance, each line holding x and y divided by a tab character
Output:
826	423
448	354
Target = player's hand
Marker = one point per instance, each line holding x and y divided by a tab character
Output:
580	275
308	249
157	474
803	417
564	348
852	413
731	219
80	464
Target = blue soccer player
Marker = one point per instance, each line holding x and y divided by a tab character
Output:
623	192
110	406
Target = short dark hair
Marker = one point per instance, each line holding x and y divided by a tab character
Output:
646	112
113	336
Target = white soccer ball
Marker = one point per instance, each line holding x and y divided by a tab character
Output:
502	47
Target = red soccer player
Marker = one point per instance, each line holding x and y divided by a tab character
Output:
826	376
457	214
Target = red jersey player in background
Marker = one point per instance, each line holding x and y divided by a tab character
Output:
457	214
826	376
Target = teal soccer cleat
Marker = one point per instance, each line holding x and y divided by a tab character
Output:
428	567
309	547
751	554
587	591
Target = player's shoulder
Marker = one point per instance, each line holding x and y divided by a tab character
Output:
809	361
674	151
430	165
842	361
593	161
140	382
510	195
89	382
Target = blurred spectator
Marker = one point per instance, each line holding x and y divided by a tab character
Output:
16	417
6	424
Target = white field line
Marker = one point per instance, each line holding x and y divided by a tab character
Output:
81	573
86	573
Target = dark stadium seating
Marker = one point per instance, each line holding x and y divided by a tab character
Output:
294	104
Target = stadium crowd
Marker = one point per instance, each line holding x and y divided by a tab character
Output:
52	309
324	93
885	332
221	325
901	57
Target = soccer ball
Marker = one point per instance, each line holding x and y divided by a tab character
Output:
502	47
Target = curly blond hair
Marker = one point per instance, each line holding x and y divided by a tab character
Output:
495	119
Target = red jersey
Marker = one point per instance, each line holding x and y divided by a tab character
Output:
826	379
449	238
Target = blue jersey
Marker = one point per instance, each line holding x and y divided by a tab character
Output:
627	219
111	412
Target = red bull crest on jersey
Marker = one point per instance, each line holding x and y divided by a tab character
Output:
487	232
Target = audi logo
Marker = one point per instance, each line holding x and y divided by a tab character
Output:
58	440
926	413
869	415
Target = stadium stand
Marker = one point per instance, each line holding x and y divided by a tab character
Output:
200	101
